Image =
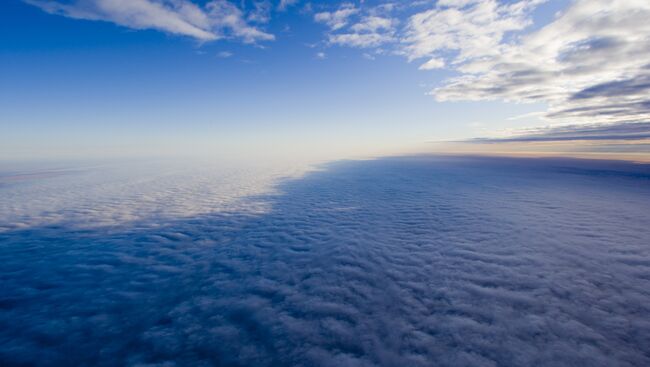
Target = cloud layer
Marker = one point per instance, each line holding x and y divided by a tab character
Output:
412	261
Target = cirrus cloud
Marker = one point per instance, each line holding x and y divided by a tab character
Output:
215	20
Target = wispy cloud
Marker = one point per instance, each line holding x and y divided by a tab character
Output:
473	29
619	131
337	19
433	63
368	29
285	4
214	20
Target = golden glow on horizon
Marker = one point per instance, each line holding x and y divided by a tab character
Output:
636	150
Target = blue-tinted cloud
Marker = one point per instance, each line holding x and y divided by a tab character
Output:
414	261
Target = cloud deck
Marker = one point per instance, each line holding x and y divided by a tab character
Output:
406	261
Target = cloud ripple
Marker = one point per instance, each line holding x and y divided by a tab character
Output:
409	261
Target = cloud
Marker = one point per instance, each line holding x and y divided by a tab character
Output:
410	261
261	12
225	15
367	31
372	24
434	63
285	4
474	29
589	65
361	40
336	19
215	20
616	131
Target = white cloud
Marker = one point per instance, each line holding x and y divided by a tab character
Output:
368	56
217	19
285	4
369	31
590	64
361	40
260	12
471	28
337	19
225	15
372	24
434	63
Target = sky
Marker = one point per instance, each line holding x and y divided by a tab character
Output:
111	78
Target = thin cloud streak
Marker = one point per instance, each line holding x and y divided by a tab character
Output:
217	19
624	131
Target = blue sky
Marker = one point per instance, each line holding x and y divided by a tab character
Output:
101	78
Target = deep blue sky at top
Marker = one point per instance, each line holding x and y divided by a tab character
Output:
68	82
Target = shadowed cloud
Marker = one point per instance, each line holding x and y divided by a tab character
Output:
412	261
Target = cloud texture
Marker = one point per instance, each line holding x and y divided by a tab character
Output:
414	261
214	20
589	64
636	132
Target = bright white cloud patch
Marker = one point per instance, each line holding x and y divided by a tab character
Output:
216	19
434	63
471	28
337	19
369	30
